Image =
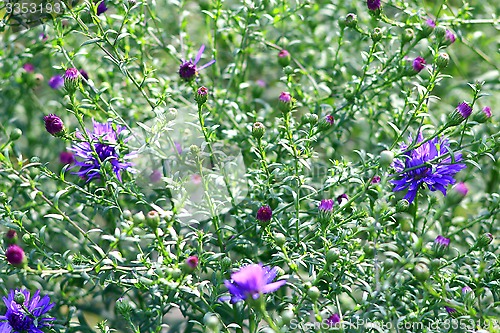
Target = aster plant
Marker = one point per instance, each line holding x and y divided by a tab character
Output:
103	146
429	164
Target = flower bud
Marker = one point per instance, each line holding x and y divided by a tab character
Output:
288	70
386	158
441	245
407	36
286	102
171	114
421	272
439	33
482	116
201	95
54	125
258	130
457	193
461	112
426	28
10	236
19	298
310	118
467	294
284	58
153	219
377	34
402	205
332	255
264	215
15	134
442	60
194	150
139	218
212	322
326	122
313	293
287	316
15	256
191	264
280	239
71	79
351	20
483	241
373	5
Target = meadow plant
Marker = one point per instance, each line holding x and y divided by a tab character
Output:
249	166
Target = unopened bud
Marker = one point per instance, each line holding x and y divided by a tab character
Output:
258	130
442	60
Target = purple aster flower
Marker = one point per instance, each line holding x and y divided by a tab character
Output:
373	4
101	8
104	140
56	82
264	214
188	69
15	256
461	189
28	317
450	37
333	320
283	54
326	205
251	281
430	23
54	125
442	241
419	167
66	157
418	64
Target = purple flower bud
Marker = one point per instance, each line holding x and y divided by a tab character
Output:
466	290
101	8
54	125
11	234
66	157
430	23
155	176
373	4
15	255
329	119
284	58
375	180
442	241
464	109
264	214
285	97
333	320
71	79
29	67
487	111
201	95
418	64
56	82
450	37
192	262
450	310
462	189
326	205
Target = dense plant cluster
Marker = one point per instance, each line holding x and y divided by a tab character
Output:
249	166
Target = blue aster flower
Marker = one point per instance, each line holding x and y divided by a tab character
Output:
25	314
426	165
251	281
104	140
